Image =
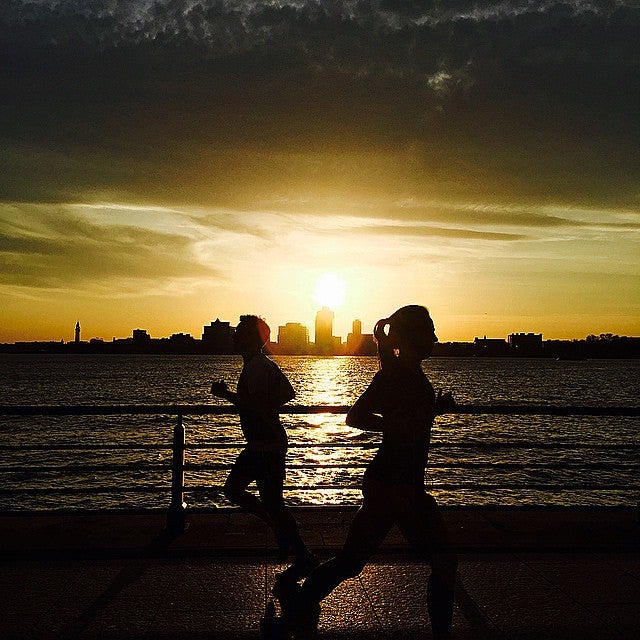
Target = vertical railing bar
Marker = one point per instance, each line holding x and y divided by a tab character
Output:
176	515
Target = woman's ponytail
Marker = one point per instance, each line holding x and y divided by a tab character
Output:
385	348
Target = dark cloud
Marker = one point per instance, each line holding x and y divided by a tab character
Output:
205	101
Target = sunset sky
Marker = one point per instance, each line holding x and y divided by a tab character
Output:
167	163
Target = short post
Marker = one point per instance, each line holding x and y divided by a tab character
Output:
177	509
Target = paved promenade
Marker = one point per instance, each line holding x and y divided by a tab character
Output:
523	575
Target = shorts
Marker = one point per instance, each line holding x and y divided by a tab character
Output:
262	466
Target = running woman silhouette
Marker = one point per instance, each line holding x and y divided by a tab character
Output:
401	404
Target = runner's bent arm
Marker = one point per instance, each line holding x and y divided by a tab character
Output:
365	413
256	401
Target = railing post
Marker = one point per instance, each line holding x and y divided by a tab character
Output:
177	509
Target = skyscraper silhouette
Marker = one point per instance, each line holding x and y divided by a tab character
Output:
324	331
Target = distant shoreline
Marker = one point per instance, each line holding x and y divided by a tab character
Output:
611	347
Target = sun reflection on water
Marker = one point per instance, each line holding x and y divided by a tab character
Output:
328	381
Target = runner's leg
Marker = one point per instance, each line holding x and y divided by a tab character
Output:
242	474
423	526
270	487
368	529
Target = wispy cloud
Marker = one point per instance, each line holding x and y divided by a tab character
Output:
53	247
429	231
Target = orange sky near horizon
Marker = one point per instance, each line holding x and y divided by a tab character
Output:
172	270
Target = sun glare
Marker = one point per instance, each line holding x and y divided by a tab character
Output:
330	290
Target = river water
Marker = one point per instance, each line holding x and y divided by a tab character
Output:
474	459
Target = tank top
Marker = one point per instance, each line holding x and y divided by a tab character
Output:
261	426
406	401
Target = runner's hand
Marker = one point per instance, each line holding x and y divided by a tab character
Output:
444	402
220	389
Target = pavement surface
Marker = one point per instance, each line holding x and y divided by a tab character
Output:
539	574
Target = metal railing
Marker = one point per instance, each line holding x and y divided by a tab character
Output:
178	466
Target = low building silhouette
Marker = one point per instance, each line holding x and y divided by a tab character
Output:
490	347
525	344
180	343
454	349
140	336
293	339
358	343
217	338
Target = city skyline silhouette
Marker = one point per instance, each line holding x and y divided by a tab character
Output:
293	338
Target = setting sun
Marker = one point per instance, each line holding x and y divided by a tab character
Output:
330	290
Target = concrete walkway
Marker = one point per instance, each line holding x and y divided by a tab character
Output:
523	575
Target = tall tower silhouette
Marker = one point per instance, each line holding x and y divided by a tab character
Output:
324	331
77	332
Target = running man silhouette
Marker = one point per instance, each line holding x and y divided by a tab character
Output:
262	390
401	404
